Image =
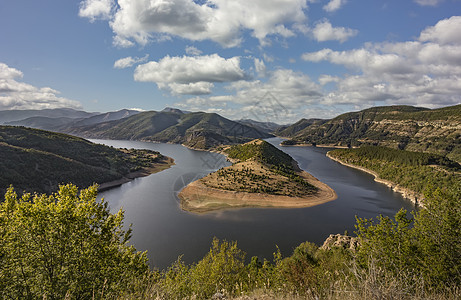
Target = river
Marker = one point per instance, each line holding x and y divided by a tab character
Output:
166	232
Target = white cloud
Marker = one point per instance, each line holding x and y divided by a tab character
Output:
324	31
96	9
444	32
129	61
334	5
325	79
260	67
279	99
222	21
426	72
428	2
191	50
20	95
192	88
190	74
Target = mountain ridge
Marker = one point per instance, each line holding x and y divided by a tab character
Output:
401	127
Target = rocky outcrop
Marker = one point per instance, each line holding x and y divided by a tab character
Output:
341	241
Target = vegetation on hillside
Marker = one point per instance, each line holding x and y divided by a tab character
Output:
69	246
400	127
38	160
412	170
198	130
261	168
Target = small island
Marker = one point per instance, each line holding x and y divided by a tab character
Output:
261	176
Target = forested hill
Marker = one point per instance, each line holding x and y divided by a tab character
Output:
197	130
38	160
403	127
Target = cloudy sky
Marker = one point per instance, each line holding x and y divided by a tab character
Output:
274	60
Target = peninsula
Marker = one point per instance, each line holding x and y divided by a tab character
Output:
261	176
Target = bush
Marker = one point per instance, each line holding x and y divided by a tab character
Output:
65	245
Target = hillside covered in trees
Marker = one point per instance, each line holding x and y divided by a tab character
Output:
399	127
414	171
38	160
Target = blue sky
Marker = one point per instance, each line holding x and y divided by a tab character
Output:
277	60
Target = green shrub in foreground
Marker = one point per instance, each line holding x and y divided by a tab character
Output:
65	245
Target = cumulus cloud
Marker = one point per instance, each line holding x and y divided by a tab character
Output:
444	32
324	31
19	95
425	72
334	5
96	9
190	74
428	2
260	67
191	50
129	61
279	99
222	21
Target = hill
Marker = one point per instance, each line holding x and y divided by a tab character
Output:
261	176
16	115
38	160
196	130
400	127
60	124
407	172
298	126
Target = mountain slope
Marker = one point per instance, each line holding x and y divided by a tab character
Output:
298	126
198	130
16	115
38	160
60	124
402	127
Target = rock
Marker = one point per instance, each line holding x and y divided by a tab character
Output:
339	240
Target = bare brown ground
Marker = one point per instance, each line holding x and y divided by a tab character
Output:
198	198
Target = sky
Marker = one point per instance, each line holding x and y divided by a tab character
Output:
268	60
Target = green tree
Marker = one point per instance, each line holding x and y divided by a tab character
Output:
65	245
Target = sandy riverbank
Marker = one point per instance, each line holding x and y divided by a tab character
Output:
198	198
414	197
155	168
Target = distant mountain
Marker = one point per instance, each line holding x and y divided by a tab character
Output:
60	124
16	115
403	127
287	131
46	123
267	127
197	130
38	161
175	110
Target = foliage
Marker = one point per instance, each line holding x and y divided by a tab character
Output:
38	160
427	246
66	245
412	170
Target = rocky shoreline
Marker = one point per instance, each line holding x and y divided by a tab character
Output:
413	196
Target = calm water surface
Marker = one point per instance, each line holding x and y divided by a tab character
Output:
161	227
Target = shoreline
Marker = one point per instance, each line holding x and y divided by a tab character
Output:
413	196
198	198
155	168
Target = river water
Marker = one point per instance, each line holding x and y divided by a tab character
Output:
165	231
